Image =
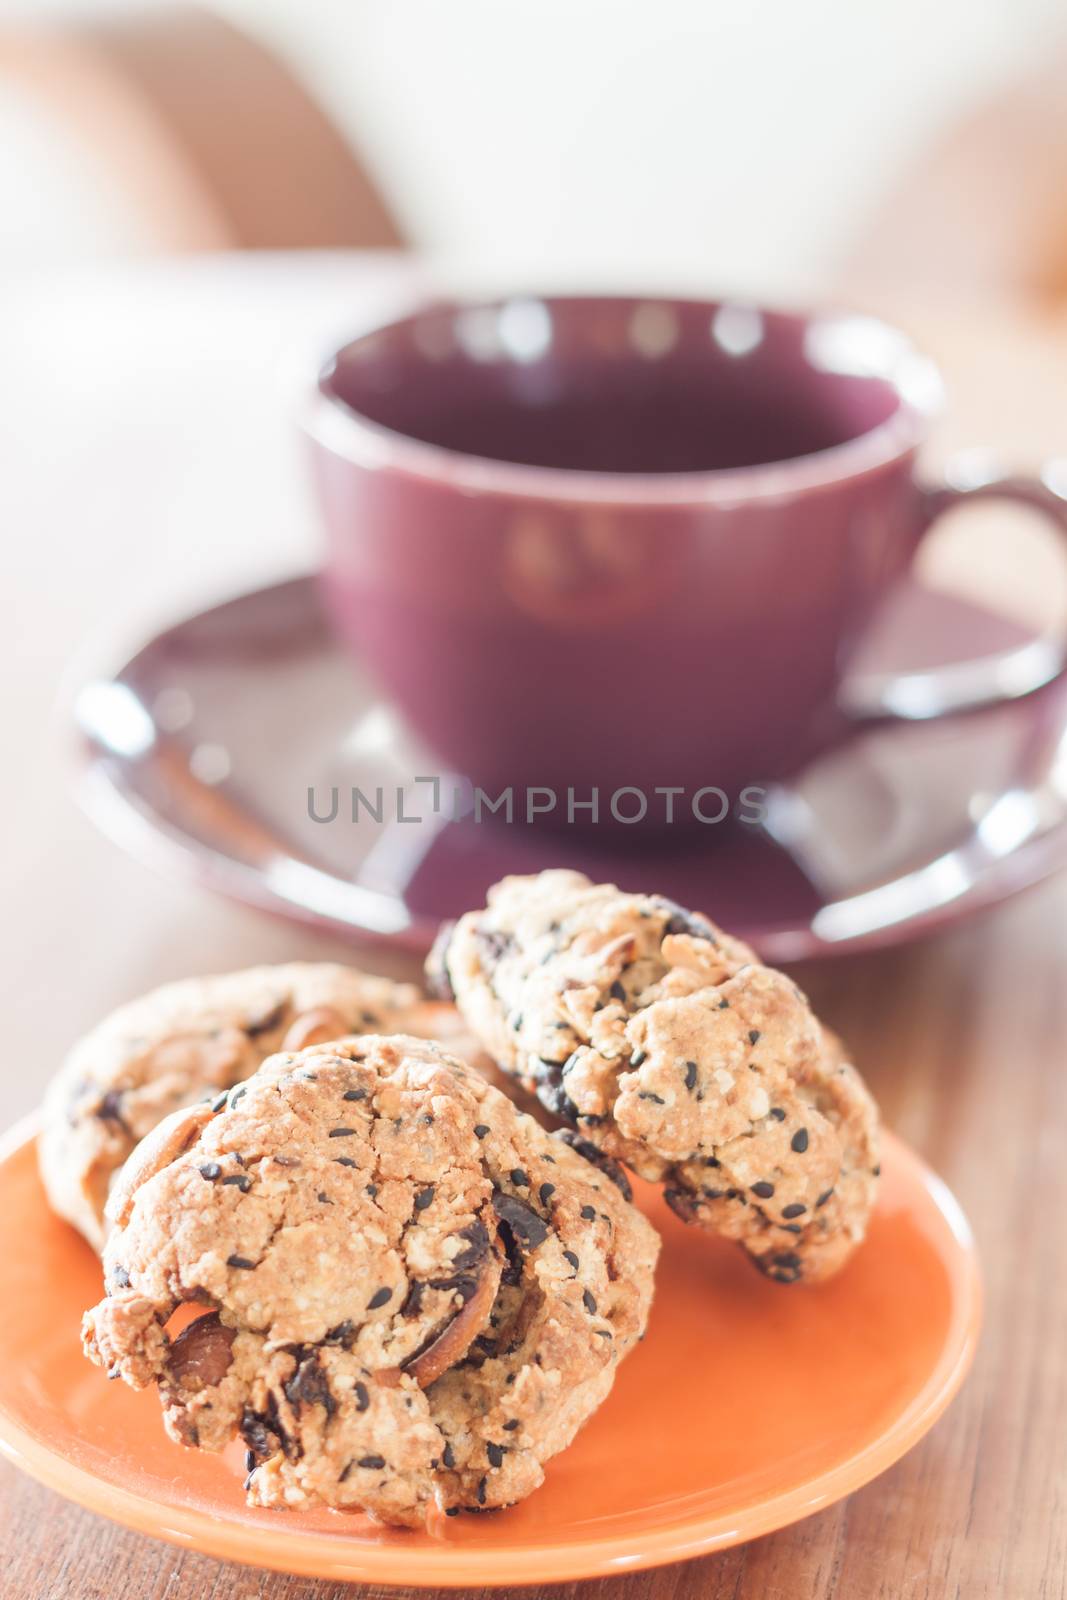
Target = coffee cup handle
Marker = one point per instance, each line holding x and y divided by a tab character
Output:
1005	849
964	686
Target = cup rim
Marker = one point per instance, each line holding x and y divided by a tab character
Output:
876	349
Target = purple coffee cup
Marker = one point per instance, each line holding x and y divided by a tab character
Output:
603	542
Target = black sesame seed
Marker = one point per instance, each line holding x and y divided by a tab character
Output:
218	1103
343	1333
451	1511
324	1198
795	1210
362	1396
546	1191
481	1492
343	1161
589	1213
241	1179
646	1094
242	1262
448	1456
372	1190
724	1005
480	1130
372	1463
495	1453
511	1425
799	1141
424	1198
341	1133
637	1057
753	1036
571	1259
821	1201
690	1074
777	1113
617	991
679	920
763	1189
250	1461
239	1095
519	1178
354	1094
211	1170
589	1302
380	1297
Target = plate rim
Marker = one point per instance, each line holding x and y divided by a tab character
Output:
297	1553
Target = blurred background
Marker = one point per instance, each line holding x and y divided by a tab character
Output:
775	148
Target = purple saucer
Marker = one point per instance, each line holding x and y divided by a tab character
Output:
203	746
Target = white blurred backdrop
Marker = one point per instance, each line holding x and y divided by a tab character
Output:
734	143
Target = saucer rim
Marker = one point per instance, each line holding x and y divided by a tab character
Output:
131	823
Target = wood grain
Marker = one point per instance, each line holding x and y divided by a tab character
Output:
963	1039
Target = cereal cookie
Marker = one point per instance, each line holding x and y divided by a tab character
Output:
416	1294
671	1047
190	1039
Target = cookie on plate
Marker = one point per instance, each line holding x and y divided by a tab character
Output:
669	1045
415	1294
193	1038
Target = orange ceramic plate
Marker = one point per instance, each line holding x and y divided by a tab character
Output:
748	1406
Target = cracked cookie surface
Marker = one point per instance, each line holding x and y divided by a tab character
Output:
669	1045
415	1295
192	1038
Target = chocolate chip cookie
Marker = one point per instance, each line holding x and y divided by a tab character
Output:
671	1047
414	1294
193	1038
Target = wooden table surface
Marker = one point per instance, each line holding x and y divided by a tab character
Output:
149	463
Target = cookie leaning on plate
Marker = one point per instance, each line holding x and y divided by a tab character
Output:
668	1044
417	1294
189	1039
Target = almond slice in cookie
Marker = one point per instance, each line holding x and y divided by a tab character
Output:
456	1338
317	1026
